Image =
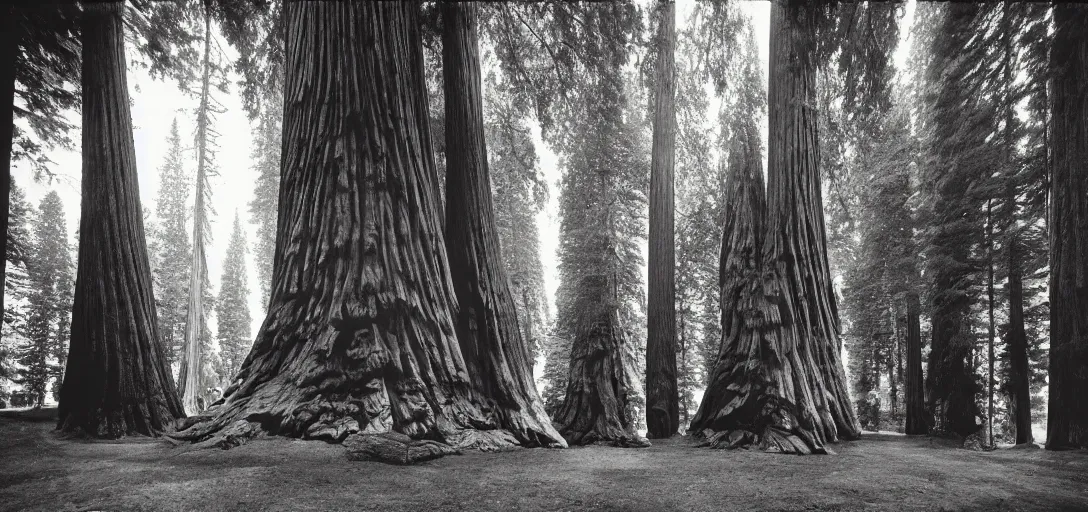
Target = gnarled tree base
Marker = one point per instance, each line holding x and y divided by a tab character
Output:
596	409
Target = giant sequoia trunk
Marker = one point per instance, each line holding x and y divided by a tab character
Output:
189	379
359	336
117	383
662	395
1067	420
494	351
917	422
8	50
779	382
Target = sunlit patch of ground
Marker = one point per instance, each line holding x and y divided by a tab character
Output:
41	471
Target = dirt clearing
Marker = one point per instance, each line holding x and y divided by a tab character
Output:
41	471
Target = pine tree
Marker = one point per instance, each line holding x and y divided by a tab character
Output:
263	207
49	272
172	239
193	379
520	193
233	305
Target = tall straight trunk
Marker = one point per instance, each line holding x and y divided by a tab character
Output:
1067	420
189	380
893	358
359	336
662	394
498	360
916	399
990	303
792	397
9	46
1016	343
1017	347
117	383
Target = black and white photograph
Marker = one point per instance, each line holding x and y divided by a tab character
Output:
543	255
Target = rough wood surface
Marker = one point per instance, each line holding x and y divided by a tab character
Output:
662	395
359	336
116	382
779	382
192	360
1067	410
491	342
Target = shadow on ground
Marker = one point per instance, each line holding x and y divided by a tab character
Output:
39	470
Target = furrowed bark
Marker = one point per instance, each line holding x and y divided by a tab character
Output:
779	382
359	336
1067	417
189	379
496	355
117	382
917	422
662	395
595	408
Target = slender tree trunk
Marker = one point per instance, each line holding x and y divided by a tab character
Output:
783	309
893	355
990	302
497	357
189	380
951	379
117	383
9	46
1016	344
359	336
662	399
1067	420
917	422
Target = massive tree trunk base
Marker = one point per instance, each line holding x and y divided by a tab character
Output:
596	408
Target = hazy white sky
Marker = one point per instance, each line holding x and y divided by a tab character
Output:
155	104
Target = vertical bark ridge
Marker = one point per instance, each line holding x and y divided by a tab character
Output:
662	398
788	391
496	355
118	383
359	336
1067	420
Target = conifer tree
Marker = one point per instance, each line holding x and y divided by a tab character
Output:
172	240
232	314
263	207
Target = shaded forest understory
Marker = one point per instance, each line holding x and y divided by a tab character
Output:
41	471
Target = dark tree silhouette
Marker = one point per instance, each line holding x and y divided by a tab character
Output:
662	397
1067	416
495	353
117	383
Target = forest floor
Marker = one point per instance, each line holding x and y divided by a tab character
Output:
39	470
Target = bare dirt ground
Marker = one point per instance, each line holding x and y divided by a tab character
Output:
41	471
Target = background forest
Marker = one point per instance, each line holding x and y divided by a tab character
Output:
933	137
